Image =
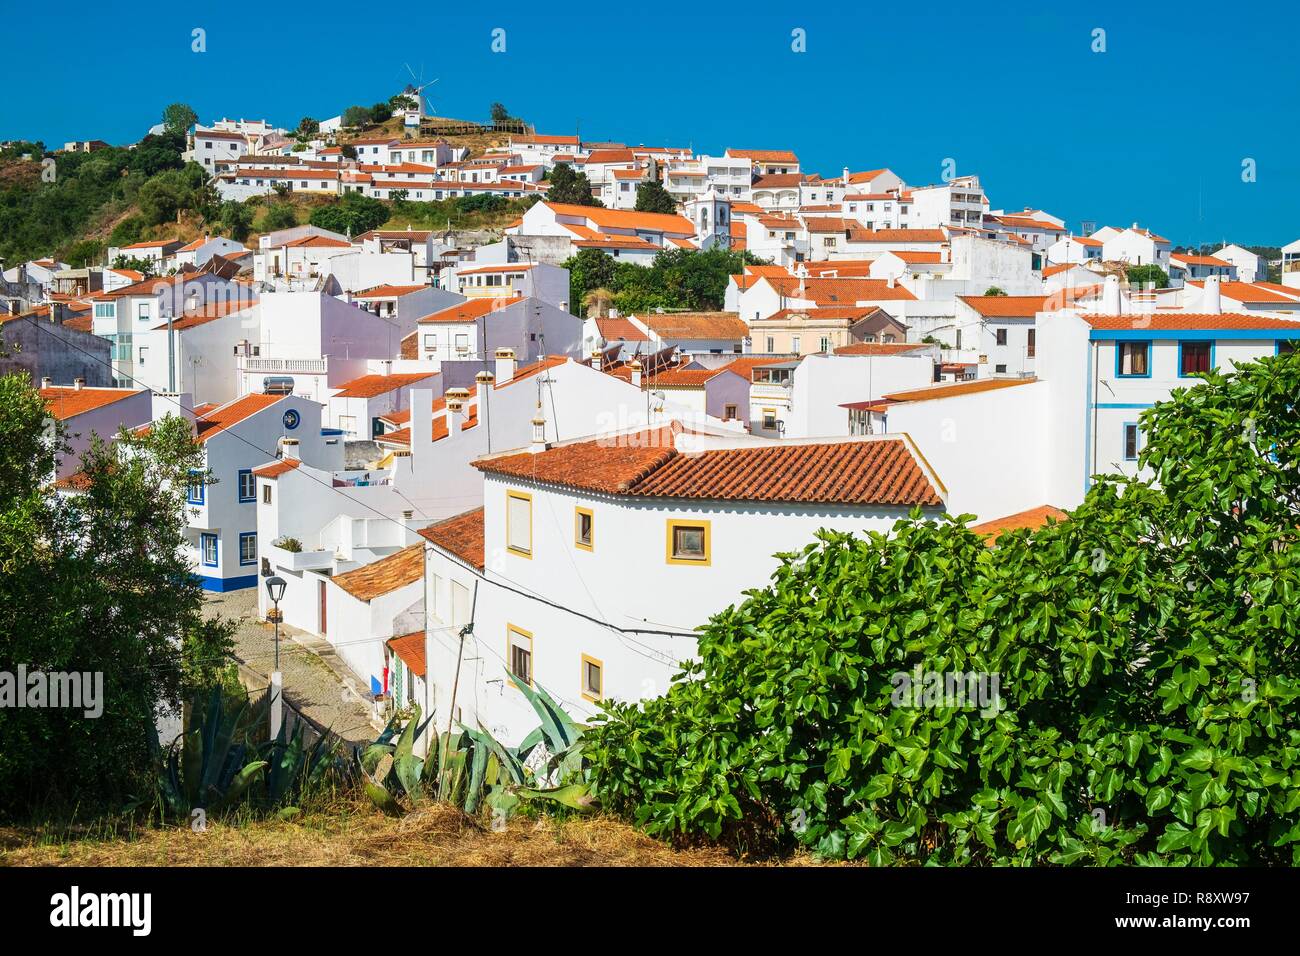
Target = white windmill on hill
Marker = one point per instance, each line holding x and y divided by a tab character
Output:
415	92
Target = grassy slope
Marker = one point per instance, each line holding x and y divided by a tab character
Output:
355	835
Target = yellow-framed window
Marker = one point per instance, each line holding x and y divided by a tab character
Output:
584	524
593	678
519	653
689	541
519	523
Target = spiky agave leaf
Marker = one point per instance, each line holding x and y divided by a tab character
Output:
381	798
576	796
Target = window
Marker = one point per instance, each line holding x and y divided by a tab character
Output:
1133	359
1031	340
582	524
247	485
1194	357
771	345
105	310
825	344
688	542
194	492
1132	441
462	342
266	493
794	344
729	412
593	678
143	352
769	418
431	341
1000	369
143	312
519	653
208	550
248	547
1001	336
519	523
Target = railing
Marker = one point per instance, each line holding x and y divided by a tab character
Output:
284	365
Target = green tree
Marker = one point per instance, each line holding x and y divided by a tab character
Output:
380	112
351	215
995	290
308	127
1149	275
588	269
499	113
356	116
279	216
178	119
566	186
95	582
236	219
1146	651
652	197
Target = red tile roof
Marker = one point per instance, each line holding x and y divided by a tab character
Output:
471	310
1034	518
882	471
368	386
1005	306
879	348
410	648
1246	292
461	536
65	401
622	330
839	291
385	575
764	155
1187	321
693	326
388	291
944	390
899	235
277	468
232	413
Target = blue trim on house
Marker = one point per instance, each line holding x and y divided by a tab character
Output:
227	584
239	486
253	559
332	431
1124	405
1124	439
189	490
203	550
1190	335
1182	345
1150	358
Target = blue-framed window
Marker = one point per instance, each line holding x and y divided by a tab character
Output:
1132	441
1195	358
208	550
248	547
196	491
247	485
1133	359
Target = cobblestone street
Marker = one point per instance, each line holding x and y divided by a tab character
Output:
315	680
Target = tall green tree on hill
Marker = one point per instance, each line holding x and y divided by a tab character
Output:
566	186
652	197
179	118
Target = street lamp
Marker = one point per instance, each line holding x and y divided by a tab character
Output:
275	591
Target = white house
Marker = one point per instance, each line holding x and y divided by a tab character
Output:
1250	267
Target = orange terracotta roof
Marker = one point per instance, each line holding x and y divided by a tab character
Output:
471	310
621	330
368	386
1188	321
317	242
461	536
1005	306
834	313
647	464
232	413
744	367
205	314
764	155
953	390
695	325
528	371
509	267
410	649
825	292
388	291
278	468
1247	292
65	401
898	235
624	219
1033	519
679	378
879	348
385	575
1200	260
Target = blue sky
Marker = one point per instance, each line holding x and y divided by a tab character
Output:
1155	129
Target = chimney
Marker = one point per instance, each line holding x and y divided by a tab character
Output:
506	365
289	449
1110	298
78	383
539	432
483	386
635	366
1211	304
890	282
421	420
457	411
47	382
846	176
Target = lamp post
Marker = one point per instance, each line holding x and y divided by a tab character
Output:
275	591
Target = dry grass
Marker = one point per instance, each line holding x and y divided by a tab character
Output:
353	834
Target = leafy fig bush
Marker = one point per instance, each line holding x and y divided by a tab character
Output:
1145	655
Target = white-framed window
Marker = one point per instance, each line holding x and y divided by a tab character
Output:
519	523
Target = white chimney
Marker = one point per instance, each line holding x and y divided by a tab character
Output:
483	386
846	176
47	382
1211	304
506	365
1110	298
539	432
635	366
78	383
421	420
457	410
289	449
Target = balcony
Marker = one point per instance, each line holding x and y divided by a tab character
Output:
284	366
299	560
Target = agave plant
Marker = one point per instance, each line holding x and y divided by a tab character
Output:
472	769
